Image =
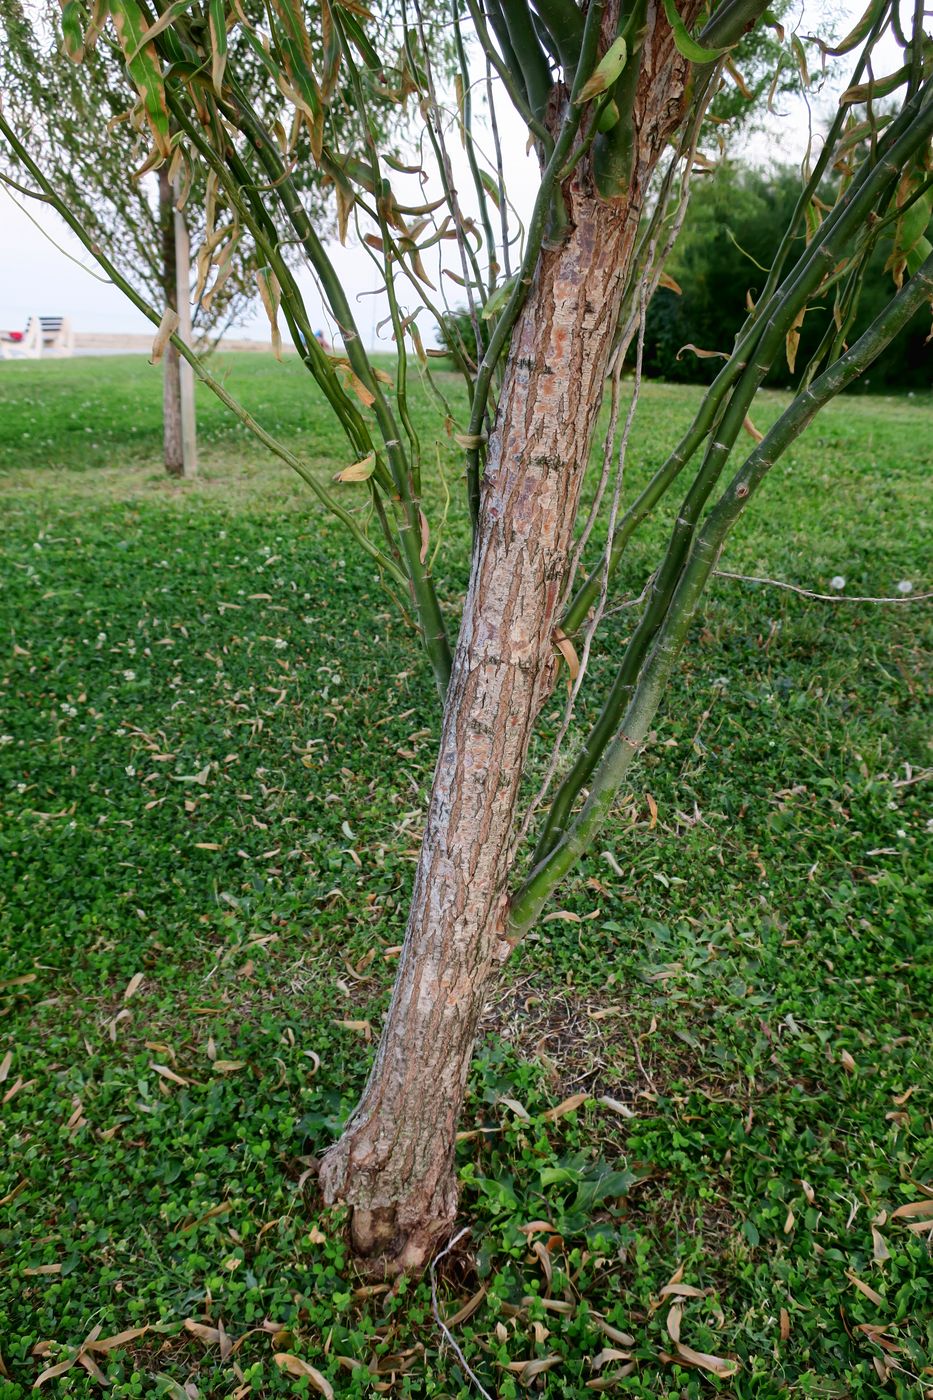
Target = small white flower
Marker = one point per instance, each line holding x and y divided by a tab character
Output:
102	636
905	586
280	643
130	771
837	582
6	739
902	833
129	675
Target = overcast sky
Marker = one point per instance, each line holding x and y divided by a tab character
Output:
38	278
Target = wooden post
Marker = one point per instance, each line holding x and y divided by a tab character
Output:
186	374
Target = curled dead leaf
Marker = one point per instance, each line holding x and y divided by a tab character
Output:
167	328
297	1366
912	1210
865	1289
719	1365
562	1109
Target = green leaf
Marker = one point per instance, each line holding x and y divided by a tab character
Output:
491	186
606	71
144	68
918	254
861	30
878	87
801	58
162	24
684	43
73	31
218	28
498	299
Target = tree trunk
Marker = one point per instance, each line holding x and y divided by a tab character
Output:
172	445
394	1164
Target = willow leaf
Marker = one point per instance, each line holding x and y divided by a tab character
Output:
684	43
606	71
217	16
144	68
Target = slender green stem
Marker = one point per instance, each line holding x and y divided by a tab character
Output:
197	364
772	320
433	629
533	243
482	197
724	432
563	20
643	705
508	70
527	48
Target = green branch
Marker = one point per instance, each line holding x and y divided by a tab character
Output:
643	705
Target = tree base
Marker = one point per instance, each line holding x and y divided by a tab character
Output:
383	1248
397	1224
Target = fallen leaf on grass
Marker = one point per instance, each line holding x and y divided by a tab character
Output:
785	1324
527	1370
614	1334
92	1368
210	1336
674	1319
43	1269
719	1365
18	981
468	1308
167	1073
364	1026
14	1089
612	1378
879	1249
615	1106
865	1288
296	1366
227	1066
119	1339
133	985
911	1209
562	1109
609	1354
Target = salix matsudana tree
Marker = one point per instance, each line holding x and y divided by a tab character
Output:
613	96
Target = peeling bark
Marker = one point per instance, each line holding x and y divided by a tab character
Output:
394	1164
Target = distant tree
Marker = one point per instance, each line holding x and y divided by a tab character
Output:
737	215
614	98
75	114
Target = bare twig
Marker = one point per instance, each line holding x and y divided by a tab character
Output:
823	597
440	1321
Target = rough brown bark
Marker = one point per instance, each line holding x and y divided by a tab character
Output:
394	1164
172	448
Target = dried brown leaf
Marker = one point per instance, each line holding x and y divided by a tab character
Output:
297	1366
133	985
865	1289
913	1209
719	1365
562	1109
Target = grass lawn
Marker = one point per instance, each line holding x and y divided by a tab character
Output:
217	745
